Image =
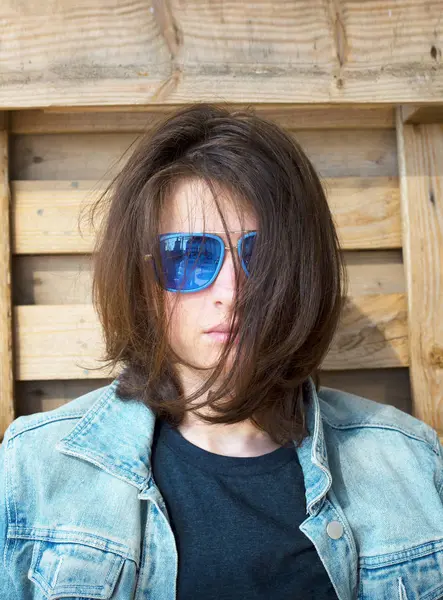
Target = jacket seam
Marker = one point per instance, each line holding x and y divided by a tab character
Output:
43	534
107	392
88	416
439	451
382	425
9	499
91	412
30	426
99	460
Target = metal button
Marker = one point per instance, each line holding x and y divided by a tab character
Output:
335	530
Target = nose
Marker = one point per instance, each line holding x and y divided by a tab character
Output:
224	285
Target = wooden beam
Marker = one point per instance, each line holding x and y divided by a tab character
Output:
65	341
161	53
139	119
415	115
7	412
420	153
46	214
67	278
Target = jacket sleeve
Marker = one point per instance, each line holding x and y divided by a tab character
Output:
8	590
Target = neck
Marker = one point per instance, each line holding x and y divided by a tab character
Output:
241	439
231	439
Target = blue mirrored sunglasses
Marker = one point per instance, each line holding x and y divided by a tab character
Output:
190	262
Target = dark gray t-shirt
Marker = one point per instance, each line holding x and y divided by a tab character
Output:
235	522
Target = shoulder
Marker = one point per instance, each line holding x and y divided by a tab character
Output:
344	411
56	421
30	459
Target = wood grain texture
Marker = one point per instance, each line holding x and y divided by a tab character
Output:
421	169
50	216
139	119
372	334
67	278
99	156
131	53
414	115
65	341
7	409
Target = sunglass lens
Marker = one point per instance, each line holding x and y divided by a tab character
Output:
189	262
246	250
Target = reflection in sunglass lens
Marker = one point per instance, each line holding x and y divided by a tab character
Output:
189	262
247	248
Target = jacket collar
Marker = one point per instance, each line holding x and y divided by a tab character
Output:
116	435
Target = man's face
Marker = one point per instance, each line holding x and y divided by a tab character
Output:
191	208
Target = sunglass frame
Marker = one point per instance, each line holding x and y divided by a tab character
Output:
213	235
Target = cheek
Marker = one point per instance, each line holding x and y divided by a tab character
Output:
189	316
185	316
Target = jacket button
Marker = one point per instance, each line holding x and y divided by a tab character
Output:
335	530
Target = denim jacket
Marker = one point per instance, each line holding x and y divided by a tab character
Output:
81	516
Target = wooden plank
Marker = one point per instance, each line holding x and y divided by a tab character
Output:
67	279
47	217
372	334
44	395
420	151
7	409
139	119
100	156
366	211
46	214
172	53
389	386
375	272
414	115
64	342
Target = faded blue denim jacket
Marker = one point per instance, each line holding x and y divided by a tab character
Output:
82	517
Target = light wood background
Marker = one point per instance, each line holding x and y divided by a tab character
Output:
359	85
126	52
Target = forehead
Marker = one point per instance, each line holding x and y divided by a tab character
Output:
191	207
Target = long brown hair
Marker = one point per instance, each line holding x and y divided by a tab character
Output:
285	314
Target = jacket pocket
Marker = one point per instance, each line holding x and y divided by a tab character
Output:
412	574
74	570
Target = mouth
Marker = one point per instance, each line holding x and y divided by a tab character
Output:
219	336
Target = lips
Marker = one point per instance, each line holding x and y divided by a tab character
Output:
220	333
218	329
